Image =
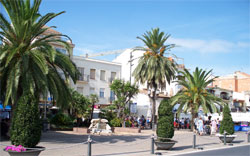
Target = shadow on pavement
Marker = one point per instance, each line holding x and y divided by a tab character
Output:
124	153
61	137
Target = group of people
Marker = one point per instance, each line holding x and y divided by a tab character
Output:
183	123
209	127
140	121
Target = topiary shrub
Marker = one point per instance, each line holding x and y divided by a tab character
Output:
165	125
116	122
26	125
227	123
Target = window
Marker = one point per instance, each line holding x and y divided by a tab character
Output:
112	96
102	75
91	90
61	50
81	76
113	75
92	74
102	92
79	90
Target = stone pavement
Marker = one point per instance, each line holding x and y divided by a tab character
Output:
67	143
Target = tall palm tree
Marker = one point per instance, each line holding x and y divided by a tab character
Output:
28	62
154	68
194	94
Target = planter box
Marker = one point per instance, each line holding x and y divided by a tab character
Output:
126	130
28	152
165	145
81	130
229	138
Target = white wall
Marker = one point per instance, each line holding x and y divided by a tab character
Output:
98	65
142	99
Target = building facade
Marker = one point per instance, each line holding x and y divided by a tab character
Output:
96	77
239	83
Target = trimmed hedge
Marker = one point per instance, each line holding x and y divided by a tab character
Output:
26	125
61	120
227	123
165	125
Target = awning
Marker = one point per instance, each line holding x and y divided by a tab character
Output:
1	107
8	108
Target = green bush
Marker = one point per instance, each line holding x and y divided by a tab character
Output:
116	122
128	123
227	123
165	125
61	120
26	125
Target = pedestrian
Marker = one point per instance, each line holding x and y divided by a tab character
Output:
200	126
185	123
188	123
218	124
214	127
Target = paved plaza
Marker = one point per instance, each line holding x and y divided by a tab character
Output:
67	143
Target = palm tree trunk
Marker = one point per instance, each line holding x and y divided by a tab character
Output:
193	117
153	110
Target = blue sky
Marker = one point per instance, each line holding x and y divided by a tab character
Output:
212	34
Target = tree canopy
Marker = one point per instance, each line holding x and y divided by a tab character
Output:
123	91
194	94
28	61
154	68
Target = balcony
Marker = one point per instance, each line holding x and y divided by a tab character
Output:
83	78
224	96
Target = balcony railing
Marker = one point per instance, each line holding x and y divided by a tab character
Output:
83	77
225	97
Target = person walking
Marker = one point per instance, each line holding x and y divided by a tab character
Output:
200	126
214	127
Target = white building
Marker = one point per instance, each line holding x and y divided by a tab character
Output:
142	100
96	76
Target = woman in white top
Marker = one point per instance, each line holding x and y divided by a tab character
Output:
200	126
214	127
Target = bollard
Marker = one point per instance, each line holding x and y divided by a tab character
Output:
152	144
194	141
89	146
224	137
248	134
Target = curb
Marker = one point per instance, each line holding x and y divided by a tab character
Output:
196	151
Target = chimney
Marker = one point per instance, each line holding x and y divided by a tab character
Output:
235	83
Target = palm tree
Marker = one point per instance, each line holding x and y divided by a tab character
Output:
154	68
28	62
194	94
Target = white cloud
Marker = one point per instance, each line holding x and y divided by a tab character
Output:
207	46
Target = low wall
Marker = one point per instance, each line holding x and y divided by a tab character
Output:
81	130
127	130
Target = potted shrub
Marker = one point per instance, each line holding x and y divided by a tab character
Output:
227	126
25	132
165	126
